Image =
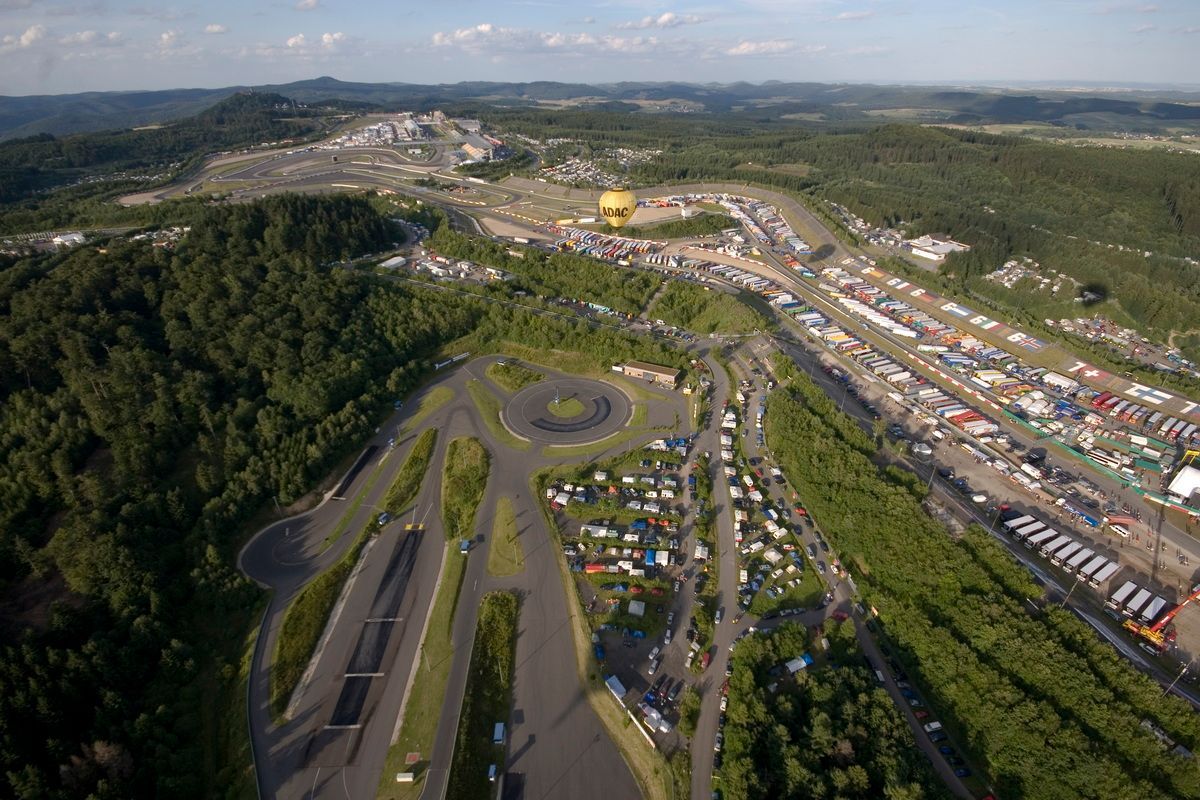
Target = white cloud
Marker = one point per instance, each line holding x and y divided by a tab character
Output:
302	47
768	47
308	5
488	39
1145	28
13	5
668	19
853	16
82	37
332	39
297	41
588	20
167	39
215	27
31	35
1148	9
1192	29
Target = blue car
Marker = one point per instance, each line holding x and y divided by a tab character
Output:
963	772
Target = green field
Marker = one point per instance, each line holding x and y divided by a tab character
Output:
505	555
565	407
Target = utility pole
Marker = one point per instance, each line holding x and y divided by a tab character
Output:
1171	685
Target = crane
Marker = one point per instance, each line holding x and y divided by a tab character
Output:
1157	634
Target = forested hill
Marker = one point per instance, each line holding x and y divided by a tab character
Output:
42	161
149	402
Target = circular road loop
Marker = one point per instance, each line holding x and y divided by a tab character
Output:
606	410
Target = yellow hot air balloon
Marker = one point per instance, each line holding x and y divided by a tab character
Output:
617	206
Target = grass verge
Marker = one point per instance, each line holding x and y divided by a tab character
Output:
428	688
305	618
351	510
487	699
649	767
222	683
488	406
512	377
558	451
434	399
638	418
505	556
463	481
408	480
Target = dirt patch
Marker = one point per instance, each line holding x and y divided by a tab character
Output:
27	603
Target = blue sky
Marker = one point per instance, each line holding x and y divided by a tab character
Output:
54	46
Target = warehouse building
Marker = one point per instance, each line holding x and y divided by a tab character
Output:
667	376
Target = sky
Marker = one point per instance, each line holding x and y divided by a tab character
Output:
62	46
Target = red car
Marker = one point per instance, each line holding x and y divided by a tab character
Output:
840	616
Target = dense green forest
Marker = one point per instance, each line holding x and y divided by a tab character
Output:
103	165
825	732
150	404
1007	196
1009	678
555	274
703	310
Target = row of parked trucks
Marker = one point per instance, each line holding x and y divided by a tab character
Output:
600	245
1148	616
1060	549
997	370
909	384
1156	423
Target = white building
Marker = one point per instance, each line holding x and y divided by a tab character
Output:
68	239
935	247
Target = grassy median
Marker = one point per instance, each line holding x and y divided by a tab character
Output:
486	700
306	617
512	377
488	406
464	479
505	556
408	480
463	482
434	399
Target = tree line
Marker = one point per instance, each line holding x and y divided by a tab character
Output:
828	731
150	404
1009	679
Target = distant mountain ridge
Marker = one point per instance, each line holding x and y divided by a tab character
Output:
1135	110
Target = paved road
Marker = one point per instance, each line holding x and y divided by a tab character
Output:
307	758
709	684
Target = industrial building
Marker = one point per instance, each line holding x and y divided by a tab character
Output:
935	247
667	376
